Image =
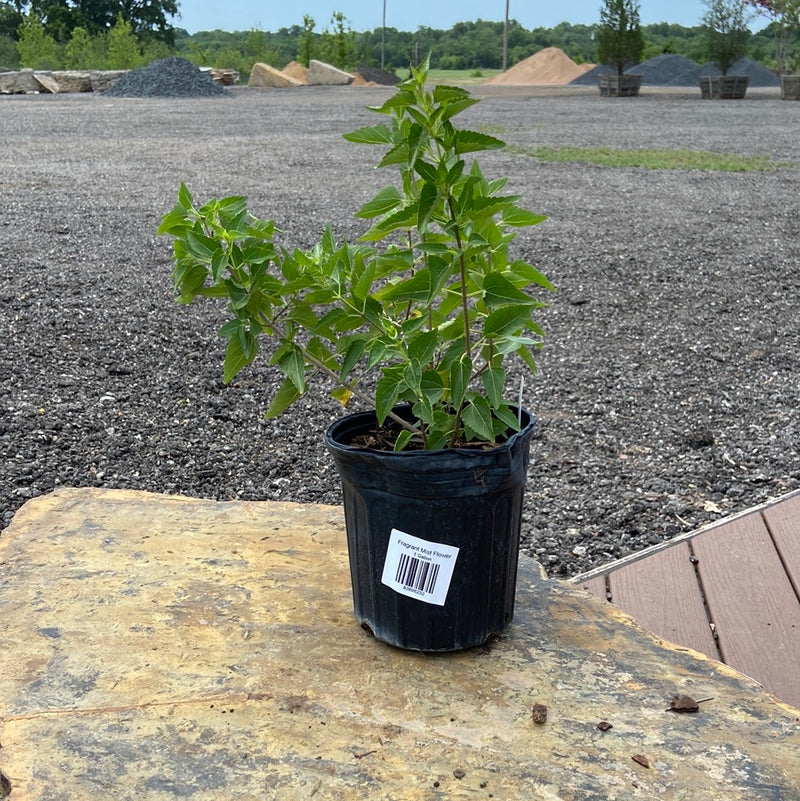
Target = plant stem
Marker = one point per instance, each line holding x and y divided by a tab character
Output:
463	268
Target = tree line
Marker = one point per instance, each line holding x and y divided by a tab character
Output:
123	34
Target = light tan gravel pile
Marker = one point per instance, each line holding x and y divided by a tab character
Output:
549	67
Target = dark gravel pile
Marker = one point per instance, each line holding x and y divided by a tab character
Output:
377	75
669	387
674	70
168	77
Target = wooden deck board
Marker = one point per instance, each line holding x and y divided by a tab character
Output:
752	604
748	577
783	522
663	595
596	586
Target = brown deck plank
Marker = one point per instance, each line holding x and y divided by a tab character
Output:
596	586
783	522
752	603
662	594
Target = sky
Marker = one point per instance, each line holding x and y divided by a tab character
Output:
408	15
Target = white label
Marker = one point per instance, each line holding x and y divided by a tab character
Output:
419	569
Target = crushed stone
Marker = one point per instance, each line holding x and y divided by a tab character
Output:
675	70
167	77
668	394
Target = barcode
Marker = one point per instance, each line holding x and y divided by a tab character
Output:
416	574
418	568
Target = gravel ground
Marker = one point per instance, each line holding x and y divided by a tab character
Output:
668	394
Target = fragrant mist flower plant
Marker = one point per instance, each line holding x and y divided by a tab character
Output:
425	308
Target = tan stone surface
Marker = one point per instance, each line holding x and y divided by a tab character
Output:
263	76
160	647
22	82
47	82
322	74
297	71
73	81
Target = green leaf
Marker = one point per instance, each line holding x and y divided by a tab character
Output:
185	197
201	246
460	375
499	291
506	416
370	135
432	386
293	365
428	197
286	395
506	320
471	141
403	438
387	392
219	261
385	201
355	350
477	416
519	218
494	380
242	349
404	217
397	155
421	348
174	222
416	289
426	171
529	274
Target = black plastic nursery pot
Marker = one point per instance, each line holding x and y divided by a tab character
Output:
433	536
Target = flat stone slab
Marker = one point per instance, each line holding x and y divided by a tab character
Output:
322	74
266	76
161	647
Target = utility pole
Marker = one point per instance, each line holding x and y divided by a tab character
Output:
383	36
505	39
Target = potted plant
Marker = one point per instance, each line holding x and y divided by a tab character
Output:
726	37
785	17
415	323
619	42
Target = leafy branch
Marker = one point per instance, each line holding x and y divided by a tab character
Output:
428	301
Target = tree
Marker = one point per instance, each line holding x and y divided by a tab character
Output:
619	38
338	46
10	20
727	34
36	48
79	51
148	18
785	16
307	40
123	46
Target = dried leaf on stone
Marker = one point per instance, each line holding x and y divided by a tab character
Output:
683	703
641	760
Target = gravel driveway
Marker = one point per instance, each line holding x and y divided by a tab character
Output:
669	388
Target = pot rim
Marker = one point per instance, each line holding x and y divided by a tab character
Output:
369	415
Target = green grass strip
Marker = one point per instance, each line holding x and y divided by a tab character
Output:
653	159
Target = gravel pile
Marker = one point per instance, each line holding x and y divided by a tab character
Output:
377	75
675	70
669	386
168	77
